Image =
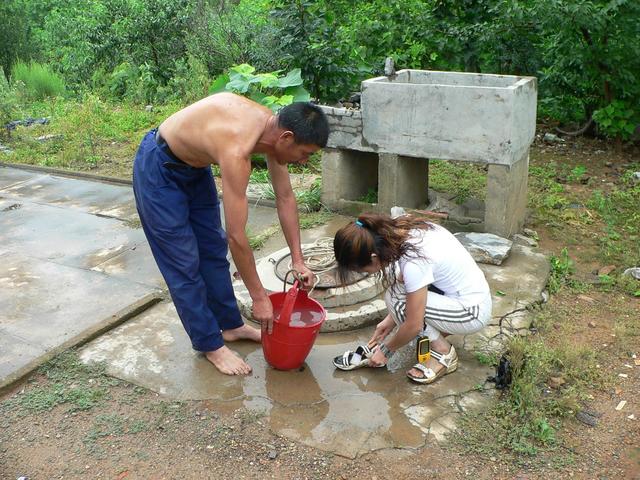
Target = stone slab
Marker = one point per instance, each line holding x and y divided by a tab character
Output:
485	247
46	305
97	198
13	176
65	235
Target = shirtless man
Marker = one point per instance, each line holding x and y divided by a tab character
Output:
180	212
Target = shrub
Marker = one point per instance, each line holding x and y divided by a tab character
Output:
8	101
39	80
269	89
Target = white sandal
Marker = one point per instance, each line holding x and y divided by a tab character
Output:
448	360
350	360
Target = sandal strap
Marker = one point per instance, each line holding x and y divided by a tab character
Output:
440	357
428	372
364	351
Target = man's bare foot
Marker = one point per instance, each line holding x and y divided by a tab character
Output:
228	362
245	332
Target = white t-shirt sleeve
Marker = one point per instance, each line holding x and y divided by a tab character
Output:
417	273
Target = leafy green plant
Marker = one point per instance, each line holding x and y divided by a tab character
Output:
259	175
39	80
9	103
269	89
618	119
577	173
562	267
370	197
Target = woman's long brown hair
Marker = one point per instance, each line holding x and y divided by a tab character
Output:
375	233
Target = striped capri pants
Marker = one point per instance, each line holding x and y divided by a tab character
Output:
442	314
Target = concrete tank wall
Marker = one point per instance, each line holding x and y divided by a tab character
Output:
452	116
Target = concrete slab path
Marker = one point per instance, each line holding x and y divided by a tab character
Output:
73	263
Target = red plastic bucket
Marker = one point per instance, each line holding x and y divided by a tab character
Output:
297	321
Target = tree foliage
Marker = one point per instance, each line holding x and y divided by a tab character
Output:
585	53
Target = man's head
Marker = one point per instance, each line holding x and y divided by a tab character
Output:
305	130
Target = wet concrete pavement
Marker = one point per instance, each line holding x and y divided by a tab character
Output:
73	263
101	263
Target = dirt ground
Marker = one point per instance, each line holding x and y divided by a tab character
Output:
135	434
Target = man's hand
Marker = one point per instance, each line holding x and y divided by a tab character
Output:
305	275
262	312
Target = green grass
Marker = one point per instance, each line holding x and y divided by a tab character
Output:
68	382
524	421
257	240
111	425
307	199
90	132
259	175
370	197
608	220
314	219
464	180
38	81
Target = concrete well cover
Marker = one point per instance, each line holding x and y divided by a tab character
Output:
354	306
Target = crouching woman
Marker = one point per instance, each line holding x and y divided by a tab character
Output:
434	289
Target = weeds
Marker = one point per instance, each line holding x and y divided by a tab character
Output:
308	199
464	180
562	267
259	175
39	81
370	197
527	416
257	241
69	382
313	219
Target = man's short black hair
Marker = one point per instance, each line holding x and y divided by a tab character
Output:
307	121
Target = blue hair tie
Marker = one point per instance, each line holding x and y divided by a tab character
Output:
359	223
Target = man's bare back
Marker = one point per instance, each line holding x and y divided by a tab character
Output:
215	128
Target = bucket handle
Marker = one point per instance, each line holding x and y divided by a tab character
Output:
298	279
289	302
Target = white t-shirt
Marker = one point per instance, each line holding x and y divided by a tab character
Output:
446	264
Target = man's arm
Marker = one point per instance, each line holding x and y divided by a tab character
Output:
288	215
235	178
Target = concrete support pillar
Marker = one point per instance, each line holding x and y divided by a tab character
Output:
347	175
506	199
402	181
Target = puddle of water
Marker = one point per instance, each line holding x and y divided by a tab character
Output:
344	412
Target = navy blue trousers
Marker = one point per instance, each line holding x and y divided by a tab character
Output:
180	213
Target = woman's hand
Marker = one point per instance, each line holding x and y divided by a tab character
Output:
378	359
383	329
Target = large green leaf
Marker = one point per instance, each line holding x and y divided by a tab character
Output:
267	80
257	96
291	79
299	93
240	82
219	84
243	68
